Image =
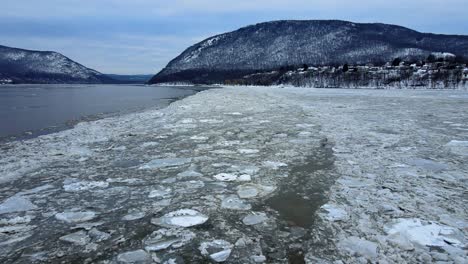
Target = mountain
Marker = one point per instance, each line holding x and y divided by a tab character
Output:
272	45
28	66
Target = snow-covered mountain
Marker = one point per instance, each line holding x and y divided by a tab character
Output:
27	66
275	44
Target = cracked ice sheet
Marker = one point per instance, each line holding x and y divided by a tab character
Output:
404	126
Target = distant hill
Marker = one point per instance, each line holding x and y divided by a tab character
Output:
272	45
136	79
28	66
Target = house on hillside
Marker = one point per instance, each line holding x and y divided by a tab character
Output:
465	73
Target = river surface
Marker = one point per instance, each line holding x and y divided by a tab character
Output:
31	110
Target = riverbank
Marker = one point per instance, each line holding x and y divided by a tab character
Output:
246	174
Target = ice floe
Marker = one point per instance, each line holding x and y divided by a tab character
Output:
138	256
217	250
77	186
160	192
181	218
163	163
75	217
80	238
234	203
16	204
335	213
254	190
255	218
426	234
362	247
165	238
227	177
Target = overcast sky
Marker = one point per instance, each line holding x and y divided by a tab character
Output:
142	36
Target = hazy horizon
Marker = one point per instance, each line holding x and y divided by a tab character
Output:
141	37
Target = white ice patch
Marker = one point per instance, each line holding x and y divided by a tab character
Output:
137	256
227	177
217	250
16	204
79	238
244	178
189	174
274	165
248	151
75	217
163	163
254	218
134	216
149	144
165	238
362	247
161	192
458	147
335	213
234	203
181	218
429	165
254	190
77	186
199	138
430	234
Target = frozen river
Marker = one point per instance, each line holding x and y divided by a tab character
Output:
246	175
30	110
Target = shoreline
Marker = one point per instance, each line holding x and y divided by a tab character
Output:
398	173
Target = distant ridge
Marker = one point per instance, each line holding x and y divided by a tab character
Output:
29	66
271	45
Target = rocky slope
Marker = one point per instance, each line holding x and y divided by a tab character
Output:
272	45
27	66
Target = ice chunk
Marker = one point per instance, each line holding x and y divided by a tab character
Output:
217	250
189	174
134	216
335	213
77	186
79	238
247	191
458	147
99	236
244	178
75	217
161	192
16	204
234	203
181	218
274	165
163	163
254	190
259	259
227	177
430	234
248	151
429	165
165	238
149	144
138	256
254	218
199	138
362	247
